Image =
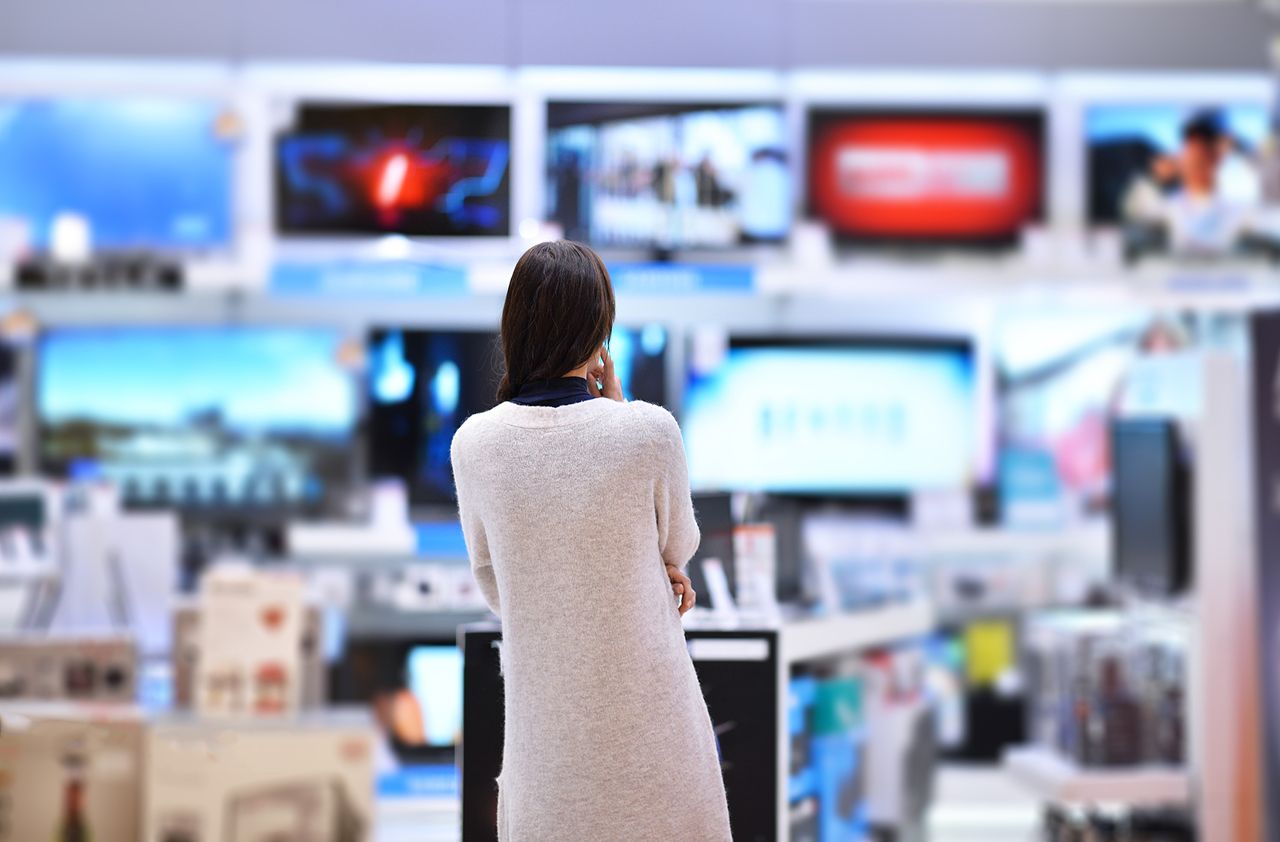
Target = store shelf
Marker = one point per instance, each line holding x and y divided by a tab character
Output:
826	637
1060	781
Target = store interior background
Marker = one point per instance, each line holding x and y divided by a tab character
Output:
985	468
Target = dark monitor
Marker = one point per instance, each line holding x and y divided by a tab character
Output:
200	418
414	689
715	522
423	384
1151	506
417	170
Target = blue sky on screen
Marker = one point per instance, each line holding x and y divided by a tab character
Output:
262	379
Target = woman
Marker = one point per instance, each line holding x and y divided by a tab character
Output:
576	510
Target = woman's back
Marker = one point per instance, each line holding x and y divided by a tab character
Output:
570	514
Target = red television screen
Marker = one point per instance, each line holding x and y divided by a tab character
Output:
926	178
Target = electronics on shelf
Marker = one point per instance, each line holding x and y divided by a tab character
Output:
668	175
840	416
419	170
423	384
81	668
1152	506
143	173
1181	177
199	417
928	178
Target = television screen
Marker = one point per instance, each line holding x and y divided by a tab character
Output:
198	416
839	416
926	178
667	175
419	170
146	173
1193	170
424	383
414	689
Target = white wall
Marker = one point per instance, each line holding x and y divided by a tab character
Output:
1104	34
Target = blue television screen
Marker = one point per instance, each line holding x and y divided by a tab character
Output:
198	416
833	417
146	173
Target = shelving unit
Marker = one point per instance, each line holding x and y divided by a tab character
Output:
827	637
1057	780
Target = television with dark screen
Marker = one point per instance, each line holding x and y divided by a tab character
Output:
927	178
423	384
194	417
416	170
1151	502
841	416
147	173
668	175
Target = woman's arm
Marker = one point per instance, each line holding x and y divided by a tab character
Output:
678	536
474	534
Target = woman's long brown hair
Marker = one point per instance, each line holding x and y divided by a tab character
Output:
559	311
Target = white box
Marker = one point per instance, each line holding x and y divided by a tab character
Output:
310	778
251	635
70	772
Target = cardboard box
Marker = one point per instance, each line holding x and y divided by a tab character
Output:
309	778
70	773
250	643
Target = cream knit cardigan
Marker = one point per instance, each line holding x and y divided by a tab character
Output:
569	513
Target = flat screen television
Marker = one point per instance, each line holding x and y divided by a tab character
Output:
146	173
668	176
414	688
416	170
833	416
926	178
194	417
1189	174
423	384
1151	507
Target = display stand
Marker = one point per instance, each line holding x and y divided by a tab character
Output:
745	672
1058	781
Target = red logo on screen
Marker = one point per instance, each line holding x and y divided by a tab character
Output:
917	178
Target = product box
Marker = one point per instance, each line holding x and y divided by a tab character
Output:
185	657
250	642
70	772
310	778
98	668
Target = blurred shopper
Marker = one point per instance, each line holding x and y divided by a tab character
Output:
576	509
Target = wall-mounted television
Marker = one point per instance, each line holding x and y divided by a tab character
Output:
1178	177
423	384
416	170
843	416
926	178
198	417
668	175
146	173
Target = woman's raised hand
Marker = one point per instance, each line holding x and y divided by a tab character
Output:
602	380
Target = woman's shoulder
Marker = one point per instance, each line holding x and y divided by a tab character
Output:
657	422
482	425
